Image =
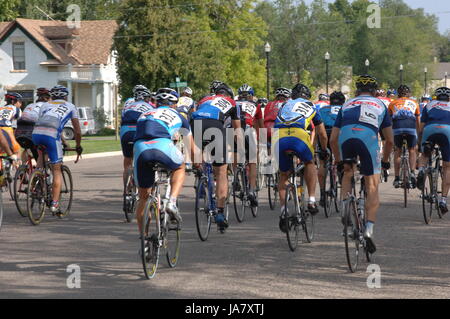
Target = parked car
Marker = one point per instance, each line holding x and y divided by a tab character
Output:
87	124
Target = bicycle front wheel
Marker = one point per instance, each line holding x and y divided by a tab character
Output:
328	194
21	182
172	243
202	213
272	190
292	213
351	235
239	195
150	237
129	197
66	197
36	195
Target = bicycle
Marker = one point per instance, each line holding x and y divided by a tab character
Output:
296	214
157	230
355	221
7	176
430	193
241	192
405	173
21	182
272	189
130	196
39	195
4	159
331	187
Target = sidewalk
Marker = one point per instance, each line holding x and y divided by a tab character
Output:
89	156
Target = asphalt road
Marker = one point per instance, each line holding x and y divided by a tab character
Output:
251	260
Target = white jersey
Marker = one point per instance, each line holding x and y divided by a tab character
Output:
53	116
31	112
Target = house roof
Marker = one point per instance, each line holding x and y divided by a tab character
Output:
90	44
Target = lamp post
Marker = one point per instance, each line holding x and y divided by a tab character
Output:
425	71
267	49
401	74
367	66
327	59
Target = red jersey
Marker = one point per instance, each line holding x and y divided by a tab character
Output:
271	114
249	112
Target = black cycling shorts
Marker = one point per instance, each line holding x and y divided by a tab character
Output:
218	126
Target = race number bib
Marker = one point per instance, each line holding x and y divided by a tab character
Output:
223	105
167	116
6	114
249	108
185	101
304	109
368	115
334	110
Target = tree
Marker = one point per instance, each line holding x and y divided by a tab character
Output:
8	10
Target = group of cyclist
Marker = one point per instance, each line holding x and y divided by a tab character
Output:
39	124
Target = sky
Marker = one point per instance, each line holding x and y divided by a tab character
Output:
430	6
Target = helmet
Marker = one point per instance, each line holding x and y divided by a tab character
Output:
324	97
262	101
13	97
366	83
59	91
337	98
426	97
142	94
167	94
214	84
301	90
403	90
42	91
245	88
283	92
392	92
138	88
225	89
188	90
442	94
380	92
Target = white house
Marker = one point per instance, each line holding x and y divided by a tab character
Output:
37	53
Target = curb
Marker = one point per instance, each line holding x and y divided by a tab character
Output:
89	156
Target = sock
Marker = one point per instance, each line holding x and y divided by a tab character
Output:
444	199
282	209
312	200
55	203
173	200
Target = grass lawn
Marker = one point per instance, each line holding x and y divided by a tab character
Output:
97	145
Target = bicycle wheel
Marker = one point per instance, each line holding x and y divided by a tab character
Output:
1	210
21	182
272	190
172	242
427	198
292	224
66	196
404	172
10	179
202	213
130	197
351	235
328	194
150	236
239	195
438	178
36	195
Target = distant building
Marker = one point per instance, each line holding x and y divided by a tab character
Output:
38	53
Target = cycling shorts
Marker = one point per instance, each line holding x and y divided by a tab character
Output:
213	126
127	134
360	141
8	133
148	153
292	139
411	140
53	147
251	153
438	134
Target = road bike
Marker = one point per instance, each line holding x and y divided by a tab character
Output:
158	231
21	182
331	188
355	220
430	193
130	195
296	215
6	164
405	173
241	193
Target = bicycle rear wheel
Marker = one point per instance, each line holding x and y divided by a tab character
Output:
239	195
1	210
202	213
292	212
351	235
150	236
272	190
66	196
328	194
21	182
130	197
172	242
36	196
405	180
427	198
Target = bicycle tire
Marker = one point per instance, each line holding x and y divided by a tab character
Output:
405	173
272	191
172	243
351	233
327	196
66	194
292	224
20	192
36	197
438	169
10	178
1	211
202	214
427	198
130	193
150	236
239	201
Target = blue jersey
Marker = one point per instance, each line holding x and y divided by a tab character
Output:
298	113
163	122
364	110
133	111
216	107
436	112
53	116
329	113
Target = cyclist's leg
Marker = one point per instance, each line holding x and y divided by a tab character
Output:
412	149
127	136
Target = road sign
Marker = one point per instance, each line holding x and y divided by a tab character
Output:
178	85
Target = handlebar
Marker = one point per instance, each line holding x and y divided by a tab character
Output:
73	150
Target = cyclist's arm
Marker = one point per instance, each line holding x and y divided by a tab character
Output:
389	143
420	132
77	129
322	134
334	143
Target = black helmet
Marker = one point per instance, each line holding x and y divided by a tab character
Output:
442	94
337	98
13	97
403	90
324	97
223	88
283	92
214	84
366	83
301	90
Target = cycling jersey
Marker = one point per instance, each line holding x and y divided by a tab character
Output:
31	113
404	112
128	102
249	113
299	113
320	104
386	101
8	114
217	107
329	113
271	114
436	112
53	116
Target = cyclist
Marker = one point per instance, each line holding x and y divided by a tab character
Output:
293	121
405	115
186	104
211	114
391	94
355	134
154	145
328	114
25	125
53	116
381	94
136	89
8	113
324	100
271	111
424	101
435	128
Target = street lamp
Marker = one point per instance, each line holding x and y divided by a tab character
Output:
327	59
401	74
267	49
367	66
425	71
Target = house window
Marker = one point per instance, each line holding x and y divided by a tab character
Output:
19	55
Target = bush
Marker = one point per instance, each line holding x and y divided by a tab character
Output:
100	118
106	132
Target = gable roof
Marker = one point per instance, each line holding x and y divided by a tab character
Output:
91	44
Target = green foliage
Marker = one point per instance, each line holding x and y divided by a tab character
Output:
8	10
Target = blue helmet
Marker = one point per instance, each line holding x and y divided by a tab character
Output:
245	88
59	91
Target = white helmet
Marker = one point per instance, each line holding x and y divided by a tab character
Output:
188	90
